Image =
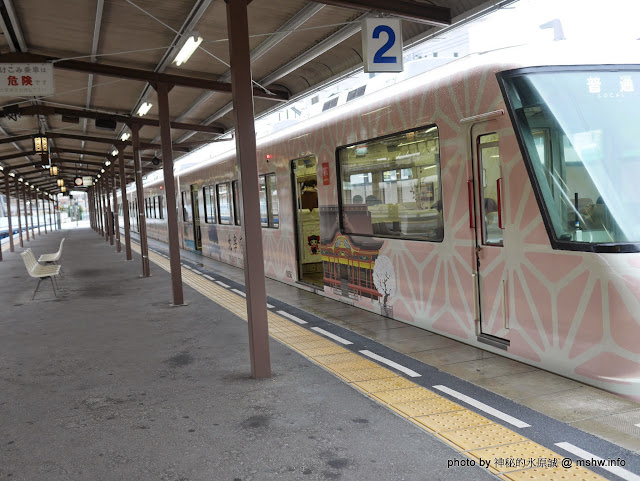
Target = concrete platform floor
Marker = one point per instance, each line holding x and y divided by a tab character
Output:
587	408
108	382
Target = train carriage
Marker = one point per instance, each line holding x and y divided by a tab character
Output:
491	200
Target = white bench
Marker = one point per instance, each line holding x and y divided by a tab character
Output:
39	271
54	257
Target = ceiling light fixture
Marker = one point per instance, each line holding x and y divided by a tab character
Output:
189	45
124	137
144	108
107	163
114	152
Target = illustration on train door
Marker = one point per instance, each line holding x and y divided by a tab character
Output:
195	208
491	282
307	218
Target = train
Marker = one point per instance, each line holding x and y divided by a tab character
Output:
491	200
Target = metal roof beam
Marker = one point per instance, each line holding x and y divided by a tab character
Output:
406	9
92	114
117	143
139	75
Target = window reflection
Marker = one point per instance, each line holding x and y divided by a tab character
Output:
580	132
391	187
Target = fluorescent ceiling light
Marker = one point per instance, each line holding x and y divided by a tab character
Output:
124	137
144	108
190	46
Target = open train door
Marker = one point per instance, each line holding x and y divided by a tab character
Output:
491	274
307	219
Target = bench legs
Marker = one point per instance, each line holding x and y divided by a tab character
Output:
38	286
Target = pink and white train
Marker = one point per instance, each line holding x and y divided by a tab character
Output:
493	200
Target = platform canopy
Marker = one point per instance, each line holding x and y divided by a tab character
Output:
109	54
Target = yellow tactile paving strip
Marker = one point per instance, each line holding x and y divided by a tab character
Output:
469	433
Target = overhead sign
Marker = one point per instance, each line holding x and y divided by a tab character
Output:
382	44
87	181
24	79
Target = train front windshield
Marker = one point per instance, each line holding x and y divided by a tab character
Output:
580	130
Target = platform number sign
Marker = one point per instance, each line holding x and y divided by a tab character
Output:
382	44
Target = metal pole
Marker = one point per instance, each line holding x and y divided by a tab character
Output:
162	90
101	209
242	95
37	213
110	216
26	211
144	248
105	197
125	206
6	189
116	223
33	228
49	209
17	186
44	214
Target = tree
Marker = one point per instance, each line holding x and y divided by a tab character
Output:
384	278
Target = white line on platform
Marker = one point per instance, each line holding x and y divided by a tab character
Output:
269	306
332	336
581	453
239	292
223	284
292	317
389	362
208	277
484	407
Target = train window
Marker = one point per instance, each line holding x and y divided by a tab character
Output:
264	211
224	203
274	207
391	186
160	207
209	204
185	211
269	207
155	207
236	203
582	150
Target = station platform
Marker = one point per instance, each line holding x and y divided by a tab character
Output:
108	381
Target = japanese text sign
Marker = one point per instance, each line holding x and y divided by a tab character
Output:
25	79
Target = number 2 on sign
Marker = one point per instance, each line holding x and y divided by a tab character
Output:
379	55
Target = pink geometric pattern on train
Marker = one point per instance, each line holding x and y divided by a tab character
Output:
573	313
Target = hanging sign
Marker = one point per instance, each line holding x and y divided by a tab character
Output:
87	181
382	44
25	79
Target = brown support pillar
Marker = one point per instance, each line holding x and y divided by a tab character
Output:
33	227
110	216
49	210
105	209
56	215
125	206
6	190
26	211
242	93
17	186
144	248
37	212
101	210
44	214
170	194
116	223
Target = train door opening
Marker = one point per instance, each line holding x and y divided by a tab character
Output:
307	218
195	208
490	256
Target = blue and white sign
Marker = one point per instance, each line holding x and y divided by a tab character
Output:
382	44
